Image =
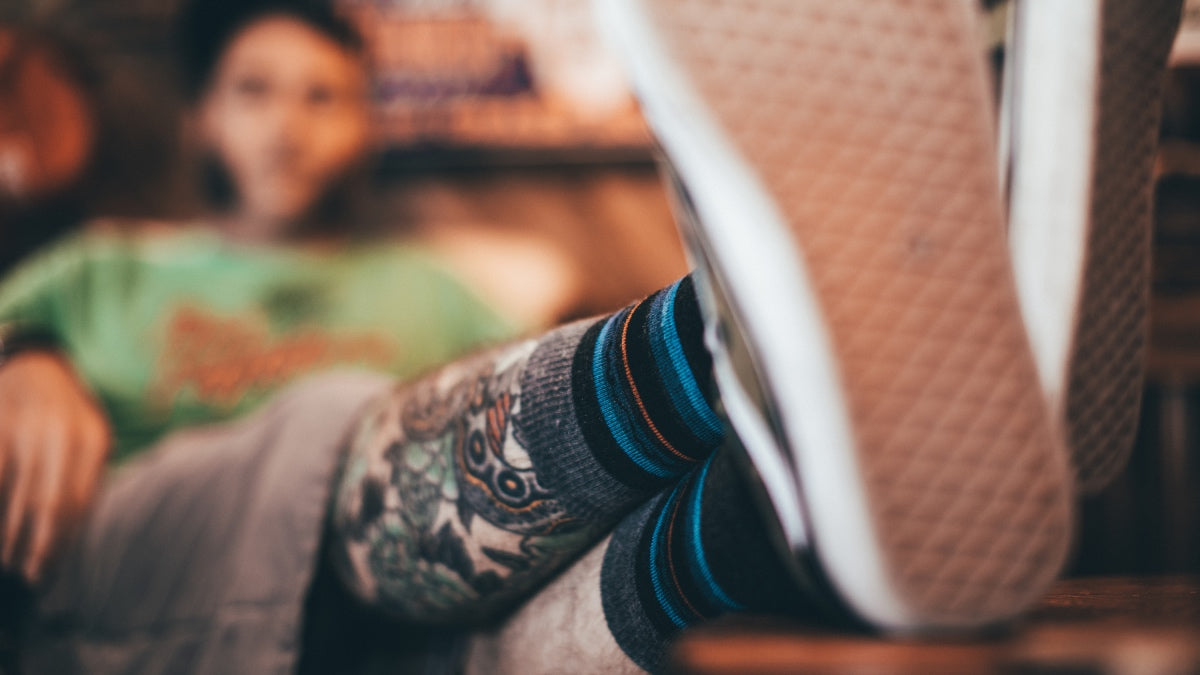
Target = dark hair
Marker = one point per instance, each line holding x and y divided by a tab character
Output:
204	28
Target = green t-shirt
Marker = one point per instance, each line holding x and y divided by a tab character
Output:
177	327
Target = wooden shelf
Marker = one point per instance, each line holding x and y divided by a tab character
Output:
1090	625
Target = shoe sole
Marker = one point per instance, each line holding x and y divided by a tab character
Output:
1080	196
838	157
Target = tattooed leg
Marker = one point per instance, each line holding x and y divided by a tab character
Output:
440	508
463	491
694	552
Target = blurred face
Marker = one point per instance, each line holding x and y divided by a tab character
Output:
287	114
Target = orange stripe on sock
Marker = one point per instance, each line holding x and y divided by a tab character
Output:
637	398
671	560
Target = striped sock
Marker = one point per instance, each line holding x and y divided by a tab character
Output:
496	471
638	389
694	553
615	410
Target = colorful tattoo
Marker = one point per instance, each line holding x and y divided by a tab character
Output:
439	508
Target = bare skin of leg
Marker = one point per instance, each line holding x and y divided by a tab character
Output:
563	624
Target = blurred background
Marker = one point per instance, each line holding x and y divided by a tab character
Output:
507	115
500	114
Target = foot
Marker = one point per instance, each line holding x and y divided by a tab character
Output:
837	172
1081	109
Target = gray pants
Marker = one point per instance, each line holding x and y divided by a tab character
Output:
198	555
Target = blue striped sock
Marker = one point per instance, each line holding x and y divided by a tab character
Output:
694	553
640	379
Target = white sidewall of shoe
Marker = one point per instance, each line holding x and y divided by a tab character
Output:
765	277
1052	112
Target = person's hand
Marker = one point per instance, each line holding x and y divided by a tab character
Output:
54	440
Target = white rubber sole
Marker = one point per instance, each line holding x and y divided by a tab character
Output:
1082	98
931	500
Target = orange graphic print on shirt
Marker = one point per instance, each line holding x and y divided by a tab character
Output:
223	358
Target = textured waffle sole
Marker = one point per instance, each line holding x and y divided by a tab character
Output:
869	124
1106	367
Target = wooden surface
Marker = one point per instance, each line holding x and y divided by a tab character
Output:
1112	625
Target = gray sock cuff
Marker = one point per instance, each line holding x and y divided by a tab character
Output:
549	429
632	630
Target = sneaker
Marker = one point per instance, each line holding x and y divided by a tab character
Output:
1081	111
837	169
